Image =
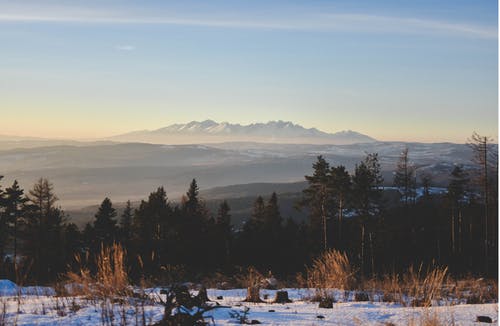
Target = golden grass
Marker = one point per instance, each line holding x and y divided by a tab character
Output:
111	278
425	286
331	270
415	287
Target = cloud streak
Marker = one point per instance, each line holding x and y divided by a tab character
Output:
125	47
345	22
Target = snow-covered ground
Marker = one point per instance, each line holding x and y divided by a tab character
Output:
29	309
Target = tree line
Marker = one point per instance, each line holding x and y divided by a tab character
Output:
381	230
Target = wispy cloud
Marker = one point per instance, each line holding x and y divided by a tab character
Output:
364	23
125	47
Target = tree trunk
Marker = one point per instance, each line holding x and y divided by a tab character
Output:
362	249
452	231
459	231
341	208
372	254
323	213
253	294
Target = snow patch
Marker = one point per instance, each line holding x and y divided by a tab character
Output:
8	288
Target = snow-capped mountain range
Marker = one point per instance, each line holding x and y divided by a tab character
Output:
209	131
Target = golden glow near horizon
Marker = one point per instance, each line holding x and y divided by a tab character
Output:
88	129
83	73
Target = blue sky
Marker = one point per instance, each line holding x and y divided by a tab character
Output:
395	70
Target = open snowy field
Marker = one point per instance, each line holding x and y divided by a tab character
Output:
44	308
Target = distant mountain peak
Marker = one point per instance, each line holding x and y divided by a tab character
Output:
207	131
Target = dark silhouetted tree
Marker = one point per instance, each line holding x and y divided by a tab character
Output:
485	155
340	185
366	196
105	223
317	197
223	231
272	219
126	222
44	232
404	178
456	195
15	200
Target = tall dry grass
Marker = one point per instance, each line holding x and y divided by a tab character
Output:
111	278
425	286
415	287
331	270
430	318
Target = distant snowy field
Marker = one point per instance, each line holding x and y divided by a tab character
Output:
39	306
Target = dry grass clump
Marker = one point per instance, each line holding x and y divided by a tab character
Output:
425	287
111	278
389	285
474	290
430	319
415	287
331	270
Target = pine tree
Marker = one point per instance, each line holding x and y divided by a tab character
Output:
14	201
4	225
404	178
317	197
426	181
366	194
42	197
194	228
126	222
44	231
73	244
366	191
456	194
223	224
105	222
223	215
272	219
153	225
192	203
486	157
341	187
258	211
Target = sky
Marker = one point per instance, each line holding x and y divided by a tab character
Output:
394	70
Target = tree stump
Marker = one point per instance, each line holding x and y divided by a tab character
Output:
202	296
484	319
282	297
326	303
361	296
253	294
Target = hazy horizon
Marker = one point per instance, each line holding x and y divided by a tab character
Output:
187	139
